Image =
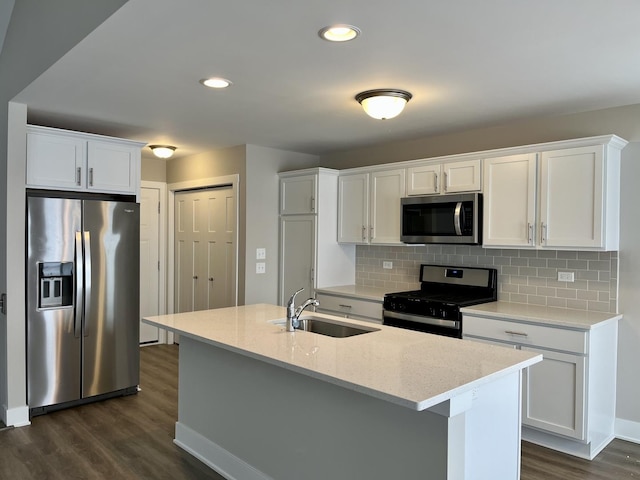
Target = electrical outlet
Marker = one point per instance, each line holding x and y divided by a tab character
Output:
261	267
566	277
387	265
261	253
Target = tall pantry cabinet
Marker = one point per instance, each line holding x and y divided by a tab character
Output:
310	256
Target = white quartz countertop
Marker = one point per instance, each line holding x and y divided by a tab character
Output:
561	317
412	369
356	291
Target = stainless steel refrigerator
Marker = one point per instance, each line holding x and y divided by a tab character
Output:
82	299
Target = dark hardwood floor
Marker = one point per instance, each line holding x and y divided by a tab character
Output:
132	438
121	438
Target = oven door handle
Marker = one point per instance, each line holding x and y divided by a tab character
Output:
456	218
453	324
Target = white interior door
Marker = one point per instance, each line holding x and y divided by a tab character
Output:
205	251
149	261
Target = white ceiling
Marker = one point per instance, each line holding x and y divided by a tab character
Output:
468	63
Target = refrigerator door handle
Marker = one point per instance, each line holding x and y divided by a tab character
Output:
79	306
87	280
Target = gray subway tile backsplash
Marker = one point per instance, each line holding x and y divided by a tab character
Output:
524	276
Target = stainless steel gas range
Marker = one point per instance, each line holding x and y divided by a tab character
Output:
435	308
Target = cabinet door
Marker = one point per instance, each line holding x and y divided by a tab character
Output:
509	201
571	197
353	208
553	394
111	167
462	176
387	188
297	255
298	195
424	180
55	161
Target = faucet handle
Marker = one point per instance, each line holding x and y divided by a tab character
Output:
292	299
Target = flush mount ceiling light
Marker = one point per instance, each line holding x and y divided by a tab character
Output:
162	151
215	82
339	33
383	103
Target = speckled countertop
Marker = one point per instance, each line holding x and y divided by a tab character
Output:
552	316
412	369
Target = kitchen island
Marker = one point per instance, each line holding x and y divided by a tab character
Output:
257	402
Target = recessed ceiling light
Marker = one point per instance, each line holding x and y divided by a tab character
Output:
215	82
339	33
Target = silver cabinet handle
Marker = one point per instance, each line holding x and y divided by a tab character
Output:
543	232
312	275
344	306
529	233
313	204
446	179
79	176
364	233
371	233
520	334
435	182
91	177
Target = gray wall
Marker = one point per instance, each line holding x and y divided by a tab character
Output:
154	170
622	121
263	165
34	41
258	169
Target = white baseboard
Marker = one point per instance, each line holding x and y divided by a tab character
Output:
214	456
15	417
627	430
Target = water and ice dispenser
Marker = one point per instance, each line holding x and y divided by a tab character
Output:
56	284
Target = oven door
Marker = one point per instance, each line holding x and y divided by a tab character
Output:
421	323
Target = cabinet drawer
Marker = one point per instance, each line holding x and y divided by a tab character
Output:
526	334
349	307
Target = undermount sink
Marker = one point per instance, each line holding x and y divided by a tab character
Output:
331	328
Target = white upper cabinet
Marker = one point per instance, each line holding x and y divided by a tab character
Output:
111	166
562	199
572	198
298	195
509	210
65	160
449	177
387	188
353	208
369	207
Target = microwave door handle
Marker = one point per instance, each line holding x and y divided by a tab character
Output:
456	219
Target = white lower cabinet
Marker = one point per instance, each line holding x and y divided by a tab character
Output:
568	399
553	393
349	307
297	255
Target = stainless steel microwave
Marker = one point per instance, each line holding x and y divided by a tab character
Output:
442	219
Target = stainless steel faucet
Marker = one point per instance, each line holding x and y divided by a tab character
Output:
294	313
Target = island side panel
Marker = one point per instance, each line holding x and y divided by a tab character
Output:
492	426
254	420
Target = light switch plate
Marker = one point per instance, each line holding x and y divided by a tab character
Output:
261	267
261	253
